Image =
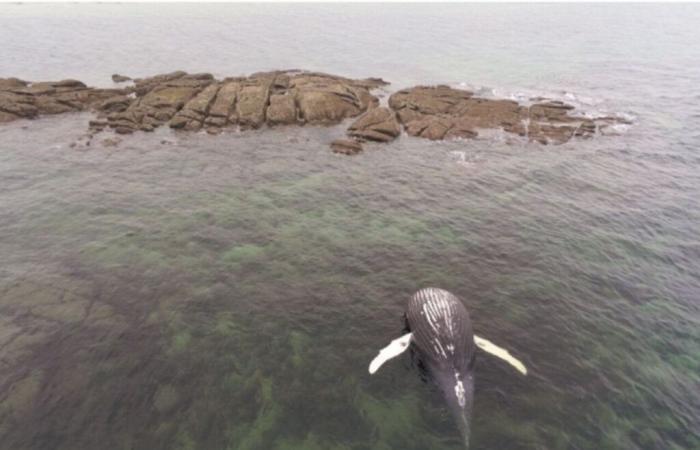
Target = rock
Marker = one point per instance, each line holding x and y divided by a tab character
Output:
118	103
378	124
153	109
8	117
346	147
251	101
442	112
192	115
282	109
18	106
120	78
200	102
323	99
429	101
7	84
222	109
123	130
98	125
433	128
111	142
143	85
196	101
20	99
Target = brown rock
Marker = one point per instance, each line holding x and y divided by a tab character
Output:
111	142
445	113
251	102
192	115
223	106
429	100
198	101
324	99
143	85
18	105
282	109
7	84
195	101
117	103
346	147
7	117
120	78
378	124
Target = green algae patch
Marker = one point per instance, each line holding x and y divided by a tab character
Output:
258	434
183	441
298	342
181	340
226	326
502	428
166	398
395	422
311	442
243	254
20	397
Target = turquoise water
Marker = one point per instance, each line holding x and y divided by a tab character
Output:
200	292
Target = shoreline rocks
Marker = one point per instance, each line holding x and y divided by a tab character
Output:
194	102
442	112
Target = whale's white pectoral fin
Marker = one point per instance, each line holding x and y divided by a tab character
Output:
490	347
392	350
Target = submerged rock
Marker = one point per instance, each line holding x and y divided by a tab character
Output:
346	147
120	78
111	142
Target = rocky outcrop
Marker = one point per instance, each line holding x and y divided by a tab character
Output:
155	101
442	112
21	99
377	124
193	102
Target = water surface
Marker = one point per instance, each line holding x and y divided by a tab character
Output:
200	292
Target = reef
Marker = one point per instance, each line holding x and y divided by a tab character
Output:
194	102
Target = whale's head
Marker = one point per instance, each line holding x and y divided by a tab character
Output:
443	341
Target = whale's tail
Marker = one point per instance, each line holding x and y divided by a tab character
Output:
458	392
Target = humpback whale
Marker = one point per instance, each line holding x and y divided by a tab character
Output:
440	333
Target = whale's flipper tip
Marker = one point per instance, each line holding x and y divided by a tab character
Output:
395	348
499	352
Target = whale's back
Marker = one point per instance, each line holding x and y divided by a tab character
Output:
442	330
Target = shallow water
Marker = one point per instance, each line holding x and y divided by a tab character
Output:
200	292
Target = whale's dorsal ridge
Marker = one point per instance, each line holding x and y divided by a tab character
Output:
394	349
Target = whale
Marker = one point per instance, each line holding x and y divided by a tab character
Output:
439	333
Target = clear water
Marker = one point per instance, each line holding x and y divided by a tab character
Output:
228	292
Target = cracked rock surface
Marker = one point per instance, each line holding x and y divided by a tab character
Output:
442	112
193	102
378	124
